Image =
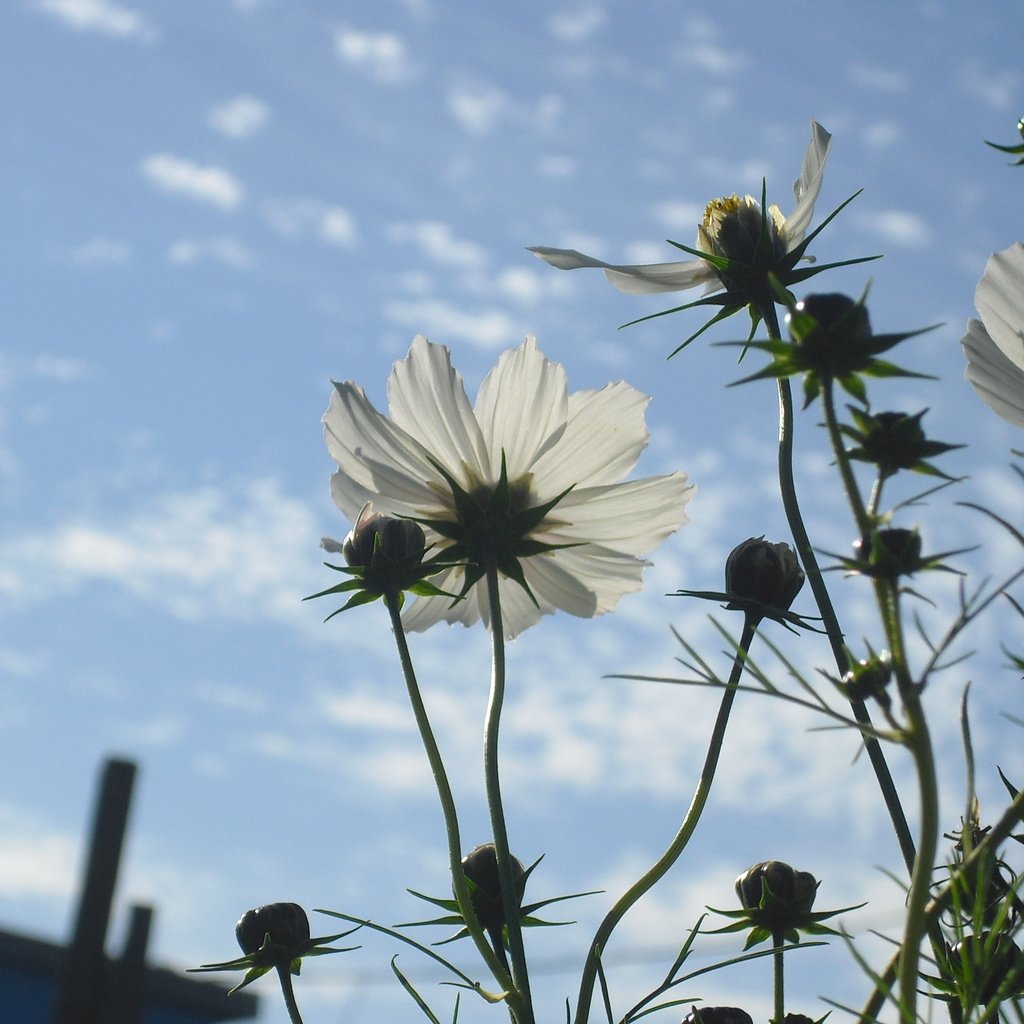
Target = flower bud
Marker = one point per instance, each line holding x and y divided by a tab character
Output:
777	896
834	316
888	554
717	1015
868	678
480	866
375	533
985	962
764	573
284	925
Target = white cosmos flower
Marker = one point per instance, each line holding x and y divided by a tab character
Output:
725	231
551	441
994	345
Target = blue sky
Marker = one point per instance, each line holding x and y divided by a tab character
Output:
213	207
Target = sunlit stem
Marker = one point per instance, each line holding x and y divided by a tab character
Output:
853	496
444	792
285	974
779	978
787	486
520	1002
682	837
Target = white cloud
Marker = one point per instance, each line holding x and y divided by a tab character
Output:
437	242
179	176
879	79
101	252
190	553
65	369
35	860
298	218
896	227
382	55
715	59
447	323
556	166
225	250
477	107
679	215
101	16
239	118
575	26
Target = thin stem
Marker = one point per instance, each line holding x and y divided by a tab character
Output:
682	837
520	1002
787	486
444	792
779	978
285	974
860	513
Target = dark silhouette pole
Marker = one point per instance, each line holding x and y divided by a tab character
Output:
80	986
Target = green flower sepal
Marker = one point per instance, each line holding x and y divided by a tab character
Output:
754	269
285	943
487	907
490	526
831	343
892	553
385	555
777	902
1017	150
893	441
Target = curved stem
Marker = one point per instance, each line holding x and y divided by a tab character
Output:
682	837
787	487
285	975
444	792
520	1002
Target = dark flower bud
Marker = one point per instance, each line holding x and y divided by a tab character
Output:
888	554
991	964
893	441
764	573
834	315
283	925
777	897
797	1018
868	678
480	866
717	1015
377	534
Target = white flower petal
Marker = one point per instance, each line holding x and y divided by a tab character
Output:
998	381
807	186
609	575
521	408
643	279
604	436
427	398
632	517
372	451
999	299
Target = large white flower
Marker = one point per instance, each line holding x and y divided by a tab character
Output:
550	441
994	345
729	227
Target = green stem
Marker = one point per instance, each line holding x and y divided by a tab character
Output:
860	513
285	974
997	834
787	487
682	837
520	1002
779	978
444	792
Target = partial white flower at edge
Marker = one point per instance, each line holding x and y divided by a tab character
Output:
994	345
551	440
788	233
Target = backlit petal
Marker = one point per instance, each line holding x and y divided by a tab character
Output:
999	299
998	381
808	185
643	279
522	407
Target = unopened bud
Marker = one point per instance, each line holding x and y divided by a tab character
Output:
717	1015
868	678
395	539
888	554
285	925
779	897
480	866
765	573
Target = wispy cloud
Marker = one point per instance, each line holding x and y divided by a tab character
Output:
101	16
576	26
300	218
224	250
896	227
477	107
381	55
239	118
448	323
878	79
437	241
179	176
101	252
